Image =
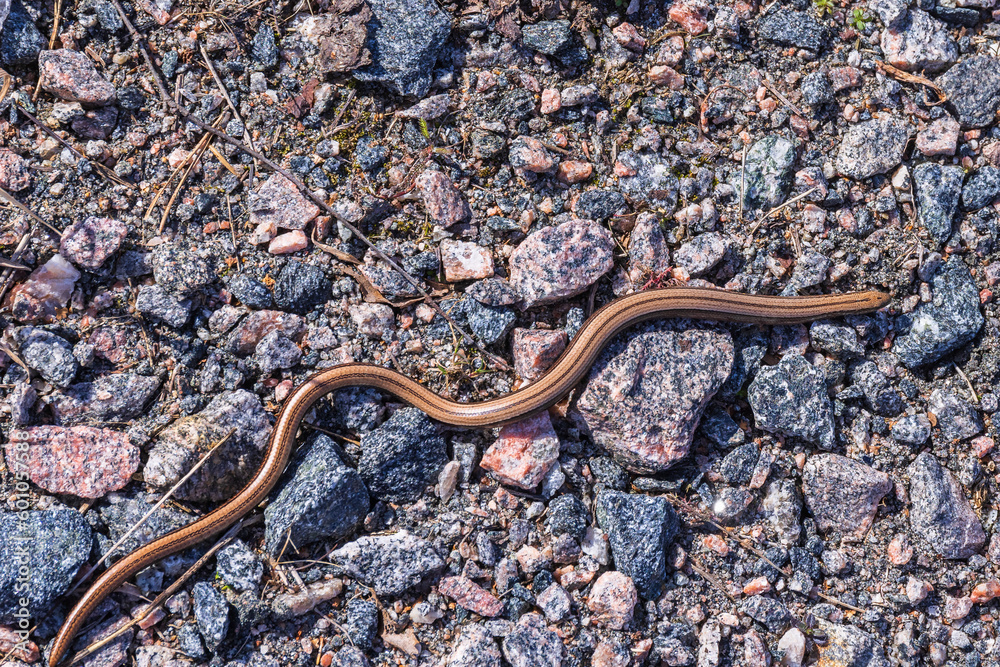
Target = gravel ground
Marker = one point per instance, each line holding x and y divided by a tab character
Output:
197	219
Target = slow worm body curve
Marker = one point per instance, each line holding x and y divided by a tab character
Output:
569	369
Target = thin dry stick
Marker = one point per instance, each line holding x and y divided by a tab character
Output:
9	198
179	110
784	100
8	274
191	157
159	503
743	180
225	95
105	171
170	590
778	208
196	154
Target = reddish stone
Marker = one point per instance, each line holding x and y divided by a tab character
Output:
900	550
524	452
12	646
47	289
79	460
716	544
290	242
691	15
278	203
551	101
982	446
469	595
939	137
917	590
611	655
462	260
561	261
532	560
629	37
258	324
89	242
14	174
985	591
535	350
842	78
757	586
612	600
662	75
71	76
992	153
574	171
373	319
444	202
956	608
528	154
158	9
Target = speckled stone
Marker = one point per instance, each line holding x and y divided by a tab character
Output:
79	460
941	513
402	457
14	173
243	340
528	154
873	147
919	43
179	446
211	613
531	644
278	202
71	76
648	252
524	452
474	647
559	262
59	543
770	613
47	353
791	398
646	391
162	305
800	29
180	271
938	190
944	324
640	530
973	89
391	564
701	253
651	179
769	169
443	201
912	430
881	398
956	418
470	595
843	494
535	350
612	600
89	242
849	646
462	260
322	498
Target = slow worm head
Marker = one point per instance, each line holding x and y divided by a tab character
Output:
569	369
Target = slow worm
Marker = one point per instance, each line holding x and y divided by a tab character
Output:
569	369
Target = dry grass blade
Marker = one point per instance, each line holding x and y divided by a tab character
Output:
339	254
192	161
8	274
169	591
899	74
9	198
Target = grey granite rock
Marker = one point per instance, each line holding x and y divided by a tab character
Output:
791	398
941	514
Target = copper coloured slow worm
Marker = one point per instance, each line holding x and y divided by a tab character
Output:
569	369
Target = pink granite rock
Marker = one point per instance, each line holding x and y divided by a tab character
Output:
284	244
443	201
47	289
462	260
258	324
89	242
535	350
648	389
940	137
279	203
561	261
70	75
612	600
470	595
14	174
524	452
79	460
